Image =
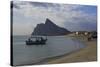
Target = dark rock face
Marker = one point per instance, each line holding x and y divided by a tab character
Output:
49	29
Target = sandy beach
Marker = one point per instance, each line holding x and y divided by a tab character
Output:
89	53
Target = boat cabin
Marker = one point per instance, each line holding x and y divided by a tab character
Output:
36	41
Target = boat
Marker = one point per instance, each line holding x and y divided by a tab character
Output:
36	41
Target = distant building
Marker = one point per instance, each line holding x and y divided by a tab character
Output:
86	33
76	33
81	32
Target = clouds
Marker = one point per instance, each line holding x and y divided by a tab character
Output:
72	17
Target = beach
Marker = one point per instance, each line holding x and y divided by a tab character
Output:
87	54
76	49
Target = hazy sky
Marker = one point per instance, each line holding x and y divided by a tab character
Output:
26	15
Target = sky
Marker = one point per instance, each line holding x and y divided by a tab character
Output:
26	15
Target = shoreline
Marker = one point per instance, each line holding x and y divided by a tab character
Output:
87	54
46	60
81	55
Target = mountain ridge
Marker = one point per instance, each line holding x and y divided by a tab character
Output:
49	29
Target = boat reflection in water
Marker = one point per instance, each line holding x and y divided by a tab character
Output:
36	41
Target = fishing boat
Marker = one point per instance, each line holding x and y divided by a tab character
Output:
36	41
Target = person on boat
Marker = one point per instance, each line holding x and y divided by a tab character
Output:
29	40
37	39
42	39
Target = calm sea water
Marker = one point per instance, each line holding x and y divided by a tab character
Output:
55	46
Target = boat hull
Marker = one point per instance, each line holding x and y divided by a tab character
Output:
36	42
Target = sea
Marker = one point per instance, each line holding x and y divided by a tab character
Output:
31	54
